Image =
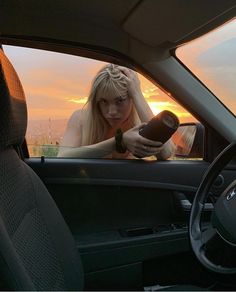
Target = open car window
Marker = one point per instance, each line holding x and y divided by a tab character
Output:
56	85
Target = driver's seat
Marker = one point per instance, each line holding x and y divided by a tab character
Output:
37	250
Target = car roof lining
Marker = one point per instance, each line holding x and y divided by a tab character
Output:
157	29
116	28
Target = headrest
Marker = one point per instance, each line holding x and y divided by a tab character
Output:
13	112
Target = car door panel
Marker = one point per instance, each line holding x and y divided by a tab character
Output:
130	195
122	213
128	219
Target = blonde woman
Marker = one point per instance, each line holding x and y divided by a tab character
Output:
108	126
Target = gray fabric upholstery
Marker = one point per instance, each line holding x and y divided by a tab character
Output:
37	250
13	113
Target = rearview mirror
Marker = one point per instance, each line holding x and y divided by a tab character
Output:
189	140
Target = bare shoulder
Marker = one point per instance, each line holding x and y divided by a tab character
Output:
73	132
76	119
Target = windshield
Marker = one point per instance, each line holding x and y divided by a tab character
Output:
212	58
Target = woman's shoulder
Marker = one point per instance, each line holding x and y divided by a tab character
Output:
78	113
77	117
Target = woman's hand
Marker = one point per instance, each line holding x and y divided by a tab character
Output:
133	82
134	91
138	145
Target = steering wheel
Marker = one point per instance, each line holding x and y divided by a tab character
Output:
212	242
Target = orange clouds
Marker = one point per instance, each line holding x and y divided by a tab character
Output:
80	100
57	84
49	102
212	59
159	100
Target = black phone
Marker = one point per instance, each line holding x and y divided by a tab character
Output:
161	127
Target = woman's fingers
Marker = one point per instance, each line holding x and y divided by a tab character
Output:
148	150
130	75
125	70
140	153
139	145
139	127
133	82
147	142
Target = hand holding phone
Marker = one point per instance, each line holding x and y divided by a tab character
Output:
161	127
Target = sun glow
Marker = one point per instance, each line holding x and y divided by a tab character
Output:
78	100
158	106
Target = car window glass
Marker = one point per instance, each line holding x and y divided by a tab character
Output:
212	58
56	85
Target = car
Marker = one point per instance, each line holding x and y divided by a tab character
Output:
117	224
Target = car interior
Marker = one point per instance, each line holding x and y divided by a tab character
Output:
105	224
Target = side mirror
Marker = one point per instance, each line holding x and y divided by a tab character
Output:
189	140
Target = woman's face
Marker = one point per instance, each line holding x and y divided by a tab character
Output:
114	108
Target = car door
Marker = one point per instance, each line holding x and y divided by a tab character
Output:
128	217
125	215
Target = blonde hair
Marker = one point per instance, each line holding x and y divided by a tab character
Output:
95	127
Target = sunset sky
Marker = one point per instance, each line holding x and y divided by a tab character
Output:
212	58
57	84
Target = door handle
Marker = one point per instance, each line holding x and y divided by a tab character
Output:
186	205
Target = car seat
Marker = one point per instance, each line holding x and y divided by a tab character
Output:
37	250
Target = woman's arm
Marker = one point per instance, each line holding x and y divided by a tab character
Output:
72	139
144	111
136	144
71	142
97	150
72	135
166	151
133	83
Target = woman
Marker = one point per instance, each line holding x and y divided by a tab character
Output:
109	124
